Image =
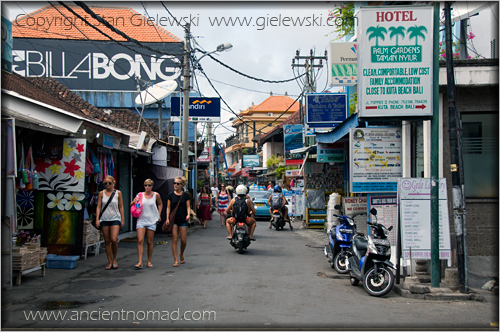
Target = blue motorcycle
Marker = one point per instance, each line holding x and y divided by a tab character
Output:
339	243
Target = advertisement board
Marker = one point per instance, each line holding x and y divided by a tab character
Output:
415	211
375	163
293	139
343	61
205	156
395	46
201	109
250	160
95	65
330	153
326	109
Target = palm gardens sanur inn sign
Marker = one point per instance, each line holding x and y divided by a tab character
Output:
395	61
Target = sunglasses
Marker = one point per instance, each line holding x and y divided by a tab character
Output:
148	185
177	183
108	182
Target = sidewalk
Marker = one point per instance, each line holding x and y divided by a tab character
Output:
410	288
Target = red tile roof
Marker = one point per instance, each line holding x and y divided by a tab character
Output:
59	23
51	92
274	104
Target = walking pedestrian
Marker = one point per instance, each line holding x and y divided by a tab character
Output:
223	202
215	193
110	216
179	201
204	207
152	206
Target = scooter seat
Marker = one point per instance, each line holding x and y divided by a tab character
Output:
361	245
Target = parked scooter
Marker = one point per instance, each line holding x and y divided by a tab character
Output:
278	219
369	260
339	243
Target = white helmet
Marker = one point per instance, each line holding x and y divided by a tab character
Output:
241	190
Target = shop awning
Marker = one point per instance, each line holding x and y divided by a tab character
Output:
302	150
340	131
236	174
232	167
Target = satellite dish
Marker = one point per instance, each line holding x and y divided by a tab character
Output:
155	93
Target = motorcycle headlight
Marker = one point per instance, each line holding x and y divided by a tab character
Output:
371	246
339	237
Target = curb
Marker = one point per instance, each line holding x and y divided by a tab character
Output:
438	294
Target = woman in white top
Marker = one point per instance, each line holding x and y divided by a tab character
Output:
111	220
146	223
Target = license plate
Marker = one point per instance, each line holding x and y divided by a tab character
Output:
260	204
347	231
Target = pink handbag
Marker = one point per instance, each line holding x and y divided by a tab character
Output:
136	209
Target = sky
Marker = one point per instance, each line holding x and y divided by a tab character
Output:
263	48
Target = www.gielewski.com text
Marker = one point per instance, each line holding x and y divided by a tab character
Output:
119	315
260	23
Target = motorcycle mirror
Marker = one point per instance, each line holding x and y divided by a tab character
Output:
337	207
373	211
390	228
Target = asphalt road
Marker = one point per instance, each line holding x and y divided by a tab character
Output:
283	281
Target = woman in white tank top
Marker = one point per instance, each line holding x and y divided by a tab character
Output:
146	223
111	220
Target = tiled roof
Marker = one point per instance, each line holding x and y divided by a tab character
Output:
59	23
51	92
274	104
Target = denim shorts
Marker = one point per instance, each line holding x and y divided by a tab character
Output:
142	225
184	224
107	223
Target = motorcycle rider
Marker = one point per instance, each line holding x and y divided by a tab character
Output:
277	196
241	192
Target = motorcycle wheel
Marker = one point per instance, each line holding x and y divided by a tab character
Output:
240	247
353	280
339	263
378	284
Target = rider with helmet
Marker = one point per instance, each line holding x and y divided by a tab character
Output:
241	192
278	201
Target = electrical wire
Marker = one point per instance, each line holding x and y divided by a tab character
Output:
115	30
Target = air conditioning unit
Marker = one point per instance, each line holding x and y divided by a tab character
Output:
174	140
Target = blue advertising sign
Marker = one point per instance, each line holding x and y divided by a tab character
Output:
250	160
293	139
201	109
326	109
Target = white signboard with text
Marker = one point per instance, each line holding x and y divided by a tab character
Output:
395	61
415	211
375	159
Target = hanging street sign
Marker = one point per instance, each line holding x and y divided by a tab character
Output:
395	46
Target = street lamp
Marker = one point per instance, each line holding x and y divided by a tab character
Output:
186	89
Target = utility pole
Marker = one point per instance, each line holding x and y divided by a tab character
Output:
310	86
185	106
457	172
210	154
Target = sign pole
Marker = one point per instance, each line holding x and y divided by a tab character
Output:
435	270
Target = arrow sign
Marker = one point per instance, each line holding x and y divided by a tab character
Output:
420	106
371	107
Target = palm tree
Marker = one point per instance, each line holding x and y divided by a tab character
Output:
416	32
399	31
376	32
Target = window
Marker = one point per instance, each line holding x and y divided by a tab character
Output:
480	155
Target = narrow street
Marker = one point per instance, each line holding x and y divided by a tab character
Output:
282	281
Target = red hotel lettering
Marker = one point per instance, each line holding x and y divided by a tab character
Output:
404	15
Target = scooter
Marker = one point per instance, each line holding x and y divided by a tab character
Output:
339	243
241	238
278	219
369	260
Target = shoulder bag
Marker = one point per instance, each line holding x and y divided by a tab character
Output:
136	209
102	211
168	228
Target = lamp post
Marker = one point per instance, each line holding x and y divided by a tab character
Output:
186	88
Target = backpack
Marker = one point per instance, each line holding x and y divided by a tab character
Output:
240	208
276	201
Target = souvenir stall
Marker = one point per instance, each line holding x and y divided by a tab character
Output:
321	179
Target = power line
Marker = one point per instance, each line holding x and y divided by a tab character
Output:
115	30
